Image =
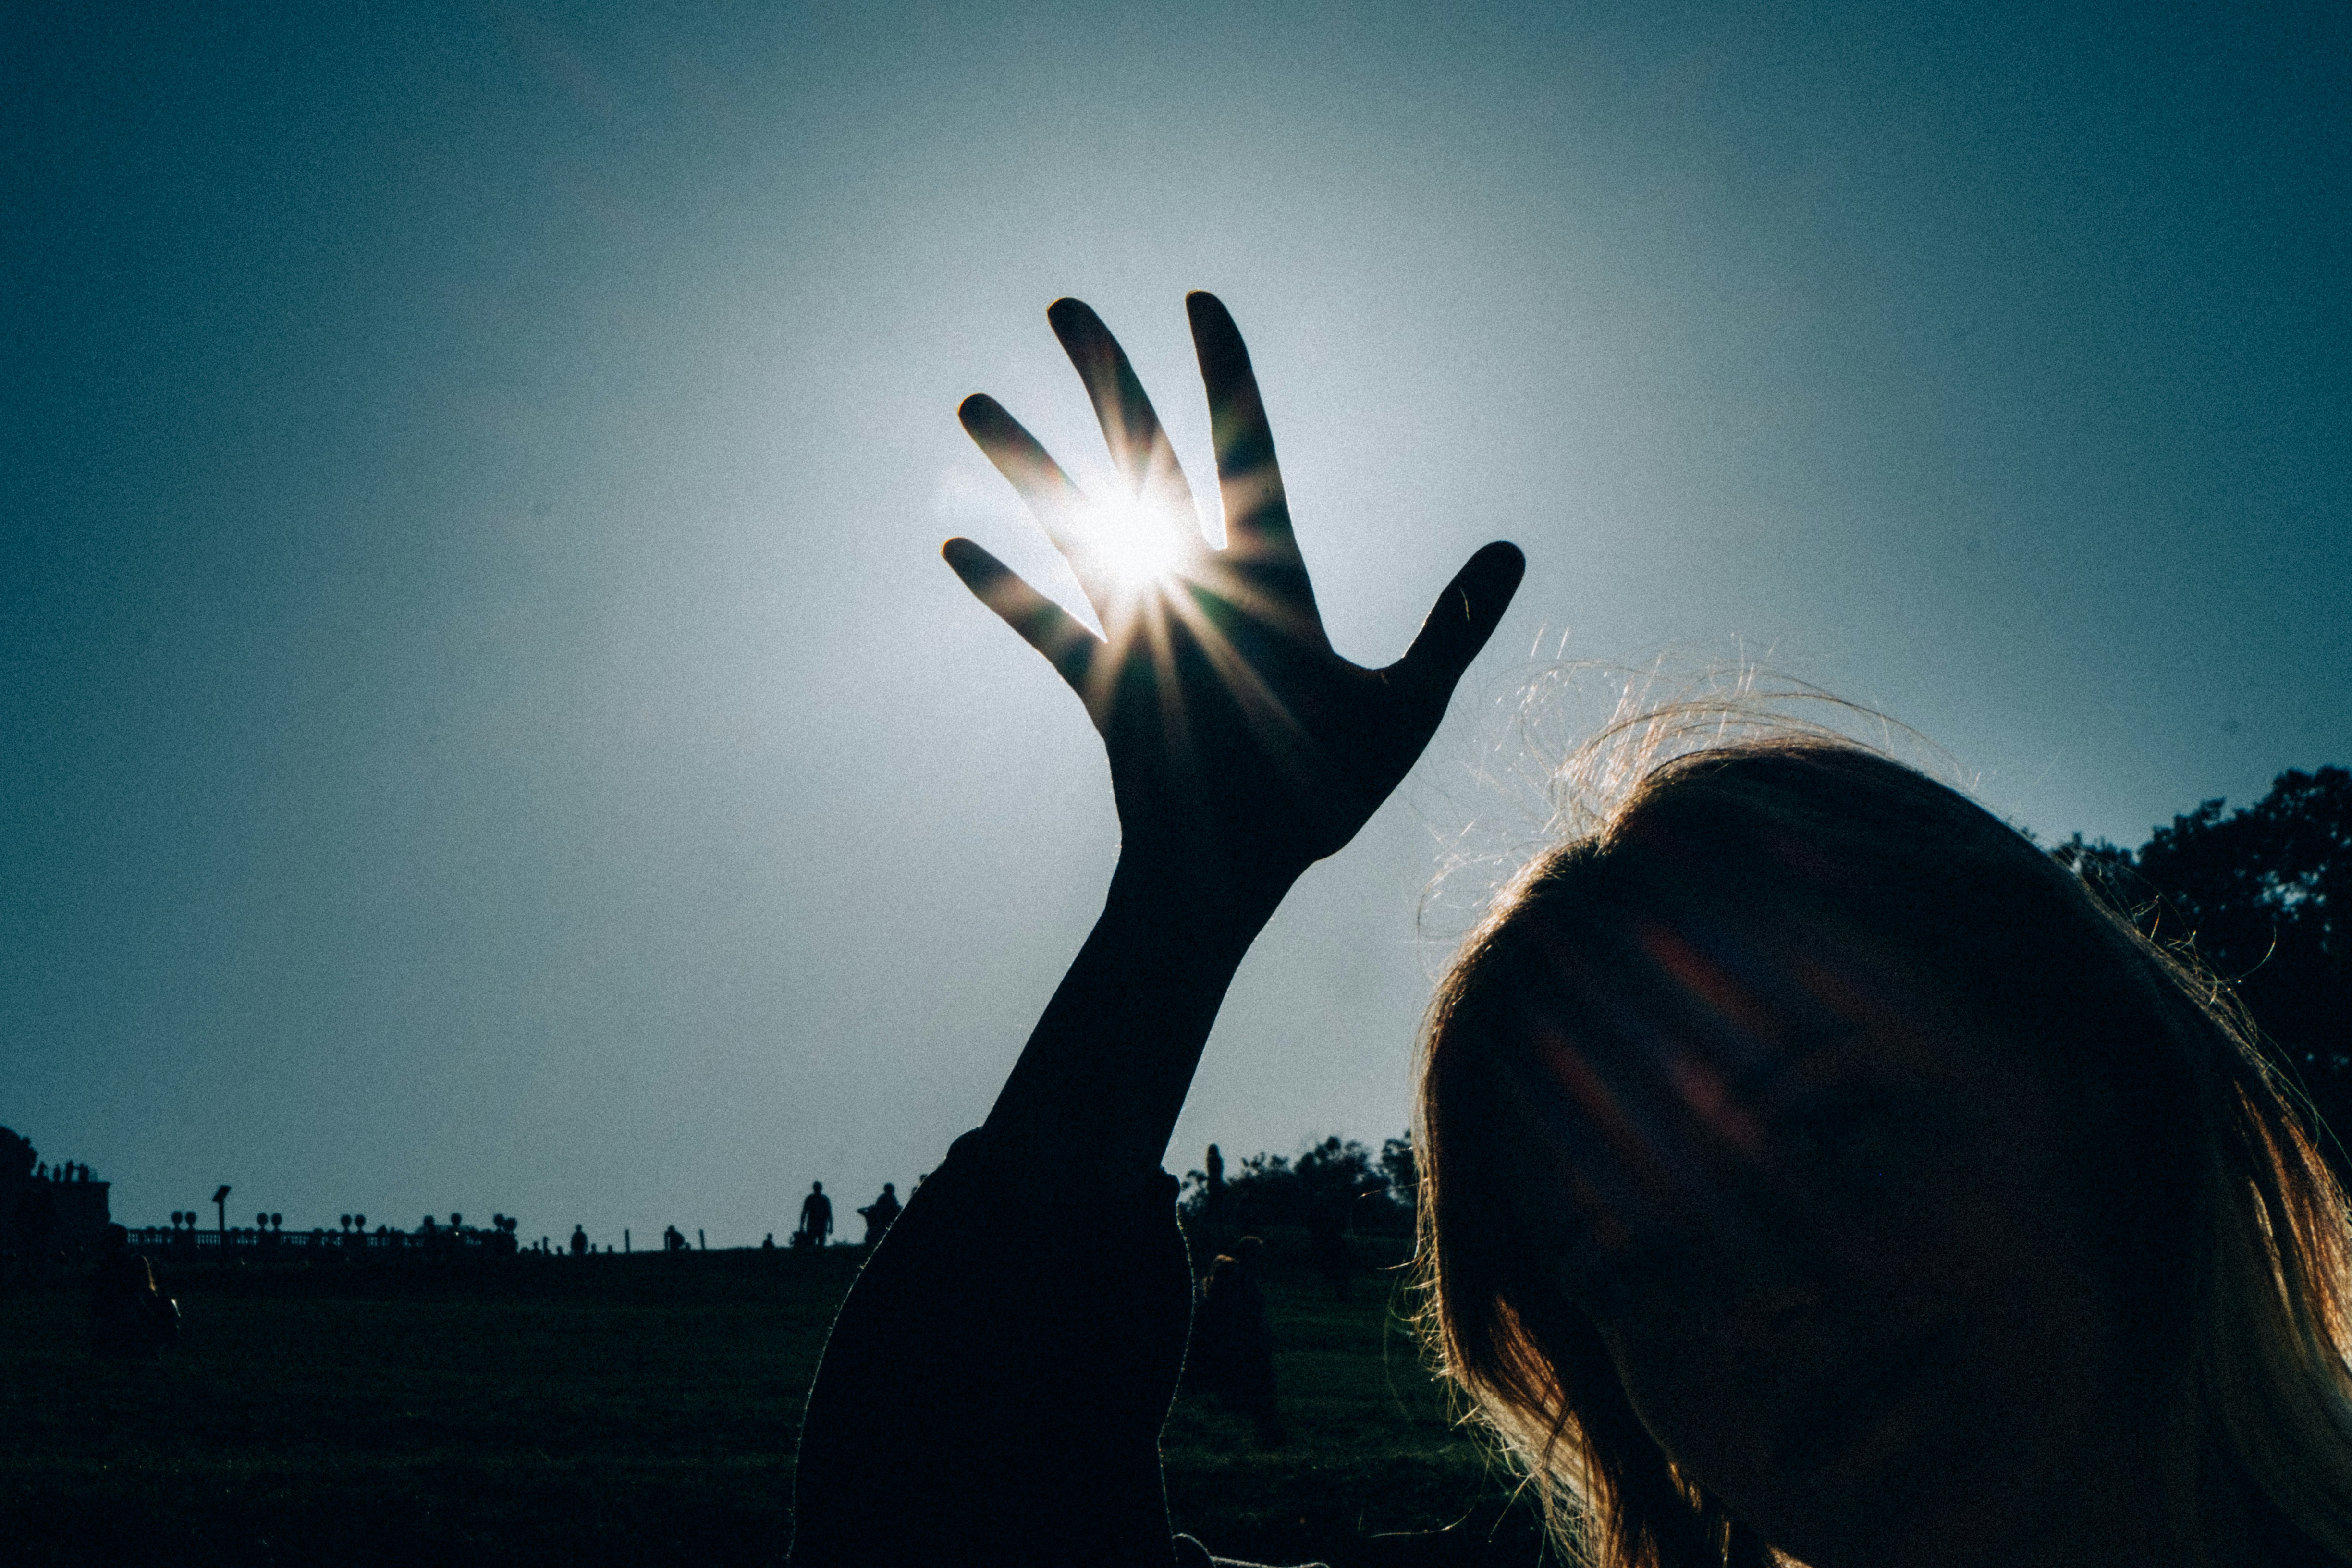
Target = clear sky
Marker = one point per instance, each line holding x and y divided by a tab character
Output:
482	723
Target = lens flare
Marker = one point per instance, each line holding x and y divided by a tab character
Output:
1137	548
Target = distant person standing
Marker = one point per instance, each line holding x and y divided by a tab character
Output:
816	1217
1231	1348
878	1213
1328	1216
579	1241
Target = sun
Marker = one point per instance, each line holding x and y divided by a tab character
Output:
1137	548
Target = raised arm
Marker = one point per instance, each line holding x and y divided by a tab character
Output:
1242	748
994	1385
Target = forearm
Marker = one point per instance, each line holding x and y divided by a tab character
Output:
991	1391
1104	1073
994	1385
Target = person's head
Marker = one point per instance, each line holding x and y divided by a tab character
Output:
1808	1161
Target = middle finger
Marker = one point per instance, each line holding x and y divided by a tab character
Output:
1139	448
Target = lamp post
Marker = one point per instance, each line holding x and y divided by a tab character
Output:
220	1201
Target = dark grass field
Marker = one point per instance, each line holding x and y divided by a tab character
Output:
632	1409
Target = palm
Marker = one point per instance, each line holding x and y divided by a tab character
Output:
1241	747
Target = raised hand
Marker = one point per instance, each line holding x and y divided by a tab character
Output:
1241	747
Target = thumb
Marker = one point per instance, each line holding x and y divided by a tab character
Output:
1463	618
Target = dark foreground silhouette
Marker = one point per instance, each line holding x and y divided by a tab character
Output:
1813	1168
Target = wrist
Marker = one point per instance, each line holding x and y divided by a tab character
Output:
1203	908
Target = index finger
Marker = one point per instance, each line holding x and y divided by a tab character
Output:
1052	500
1130	426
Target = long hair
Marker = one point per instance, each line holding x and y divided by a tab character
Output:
2226	1226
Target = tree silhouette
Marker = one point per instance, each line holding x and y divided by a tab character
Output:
18	1156
1277	1190
2262	896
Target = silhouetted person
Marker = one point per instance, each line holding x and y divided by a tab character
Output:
1327	1214
1231	1349
1065	1332
878	1213
816	1217
673	1240
579	1241
1214	1204
768	1242
127	1316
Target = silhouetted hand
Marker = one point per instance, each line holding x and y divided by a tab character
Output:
1241	747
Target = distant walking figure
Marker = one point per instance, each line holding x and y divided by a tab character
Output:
878	1213
579	1241
816	1217
1212	1206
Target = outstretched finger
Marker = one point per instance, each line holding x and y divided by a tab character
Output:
1463	618
1057	504
1249	481
1130	426
1043	623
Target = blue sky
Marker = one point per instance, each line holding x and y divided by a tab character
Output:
486	727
